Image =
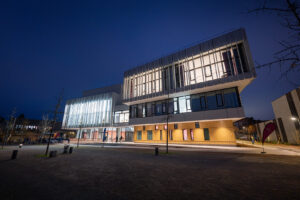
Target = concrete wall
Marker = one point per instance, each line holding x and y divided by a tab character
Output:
282	111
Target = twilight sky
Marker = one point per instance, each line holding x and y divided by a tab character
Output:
46	46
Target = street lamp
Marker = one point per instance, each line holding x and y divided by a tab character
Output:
79	134
293	118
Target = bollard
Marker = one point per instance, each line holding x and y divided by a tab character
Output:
14	154
52	154
156	151
20	146
71	150
66	149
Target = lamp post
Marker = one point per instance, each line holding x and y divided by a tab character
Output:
79	134
167	142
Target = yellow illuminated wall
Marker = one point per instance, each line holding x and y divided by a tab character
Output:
220	132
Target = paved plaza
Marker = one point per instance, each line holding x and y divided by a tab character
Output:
93	172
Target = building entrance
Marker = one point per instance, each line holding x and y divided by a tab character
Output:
128	136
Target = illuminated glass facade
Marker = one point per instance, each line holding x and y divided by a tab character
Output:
91	111
121	116
218	63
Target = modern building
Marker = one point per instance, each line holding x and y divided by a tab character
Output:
97	110
287	111
192	96
189	97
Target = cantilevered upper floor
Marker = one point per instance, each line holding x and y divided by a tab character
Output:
222	62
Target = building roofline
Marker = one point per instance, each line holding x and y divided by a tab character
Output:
202	46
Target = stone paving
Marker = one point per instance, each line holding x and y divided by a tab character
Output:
114	173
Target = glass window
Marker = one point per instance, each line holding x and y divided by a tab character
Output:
153	108
243	57
185	136
219	97
139	135
177	76
171	135
191	65
117	117
211	101
199	76
158	108
149	135
197	62
231	98
149	110
192	74
171	107
227	62
208	72
164	108
175	105
203	102
144	110
192	134
206	60
133	111
181	75
195	103
237	61
140	110
126	116
161	136
182	105
122	118
206	134
188	104
171	77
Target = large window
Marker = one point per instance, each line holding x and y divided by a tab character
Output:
139	135
231	98
184	104
149	135
220	99
160	135
171	134
195	101
205	66
206	134
149	110
122	116
211	100
185	134
89	111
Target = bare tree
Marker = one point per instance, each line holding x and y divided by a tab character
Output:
55	115
288	58
9	127
45	125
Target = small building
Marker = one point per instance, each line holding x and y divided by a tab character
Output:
98	110
287	110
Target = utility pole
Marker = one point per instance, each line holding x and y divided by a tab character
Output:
167	142
56	112
79	134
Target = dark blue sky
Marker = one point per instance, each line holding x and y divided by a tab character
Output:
77	45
